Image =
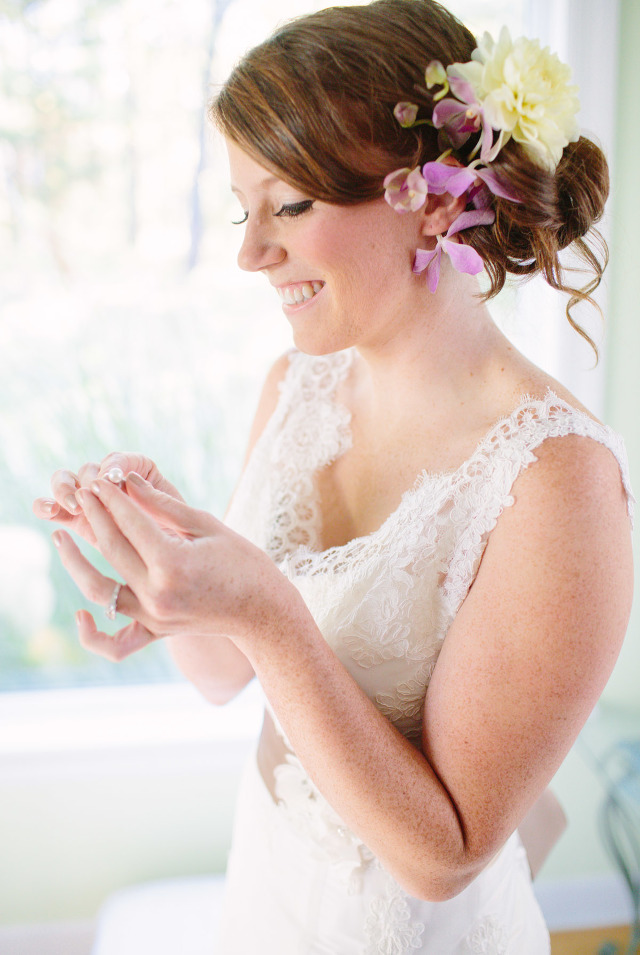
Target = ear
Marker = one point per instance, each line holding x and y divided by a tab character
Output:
440	211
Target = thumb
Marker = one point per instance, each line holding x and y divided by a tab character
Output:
168	511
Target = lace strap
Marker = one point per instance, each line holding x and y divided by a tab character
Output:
484	488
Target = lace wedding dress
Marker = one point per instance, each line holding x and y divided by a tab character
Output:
299	881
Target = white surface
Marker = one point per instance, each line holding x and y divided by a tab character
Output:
172	917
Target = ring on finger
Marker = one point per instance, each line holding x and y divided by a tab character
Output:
112	607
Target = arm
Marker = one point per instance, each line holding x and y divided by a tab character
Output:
522	665
521	668
194	655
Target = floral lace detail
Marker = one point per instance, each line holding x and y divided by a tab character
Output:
489	937
389	928
313	819
404	705
315	433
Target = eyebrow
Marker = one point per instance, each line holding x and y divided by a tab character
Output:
267	181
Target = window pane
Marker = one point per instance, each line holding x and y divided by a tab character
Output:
125	321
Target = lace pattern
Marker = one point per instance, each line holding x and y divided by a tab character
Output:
489	937
384	602
389	928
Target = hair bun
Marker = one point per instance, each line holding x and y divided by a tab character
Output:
582	183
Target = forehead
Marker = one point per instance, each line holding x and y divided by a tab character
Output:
246	172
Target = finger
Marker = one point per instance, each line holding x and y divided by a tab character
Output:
170	512
45	508
114	647
122	528
92	584
112	541
88	473
139	464
63	488
49	510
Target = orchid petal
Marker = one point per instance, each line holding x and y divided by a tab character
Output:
446	110
435	74
423	258
463	89
433	273
405	113
463	257
466	220
493	183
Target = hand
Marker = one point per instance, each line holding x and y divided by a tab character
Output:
186	572
64	506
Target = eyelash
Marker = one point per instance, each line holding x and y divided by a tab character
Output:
290	211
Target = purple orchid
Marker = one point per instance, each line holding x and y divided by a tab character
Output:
463	116
442	177
463	257
406	189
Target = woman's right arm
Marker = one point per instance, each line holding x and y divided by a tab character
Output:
216	667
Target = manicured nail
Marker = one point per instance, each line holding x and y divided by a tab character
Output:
71	504
48	506
96	488
57	539
78	618
135	479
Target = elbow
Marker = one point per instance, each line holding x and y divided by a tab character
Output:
218	694
440	880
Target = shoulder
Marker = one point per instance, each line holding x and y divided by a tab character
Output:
269	397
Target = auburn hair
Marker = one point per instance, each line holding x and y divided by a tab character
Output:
314	104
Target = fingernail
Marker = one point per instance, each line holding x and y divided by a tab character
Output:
78	618
71	503
57	538
95	488
135	479
48	506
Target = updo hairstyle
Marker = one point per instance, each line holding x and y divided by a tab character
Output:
314	104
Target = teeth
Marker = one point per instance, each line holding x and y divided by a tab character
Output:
296	294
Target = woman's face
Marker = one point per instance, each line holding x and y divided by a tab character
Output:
343	273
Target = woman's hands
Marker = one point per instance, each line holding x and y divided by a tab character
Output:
186	572
64	507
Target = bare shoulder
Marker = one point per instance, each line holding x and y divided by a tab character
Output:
535	640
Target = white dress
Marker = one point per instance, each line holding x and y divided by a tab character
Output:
299	881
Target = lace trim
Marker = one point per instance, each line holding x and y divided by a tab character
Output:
489	937
315	431
389	928
504	451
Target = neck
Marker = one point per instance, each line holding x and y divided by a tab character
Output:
439	361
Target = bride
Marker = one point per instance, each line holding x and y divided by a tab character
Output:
427	561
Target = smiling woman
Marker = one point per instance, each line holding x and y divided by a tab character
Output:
426	563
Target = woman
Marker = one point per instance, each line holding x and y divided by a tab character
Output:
427	561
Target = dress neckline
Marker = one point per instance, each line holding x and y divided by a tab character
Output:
306	555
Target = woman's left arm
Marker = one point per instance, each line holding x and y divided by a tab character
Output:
521	667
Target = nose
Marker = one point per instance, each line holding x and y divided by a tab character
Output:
259	248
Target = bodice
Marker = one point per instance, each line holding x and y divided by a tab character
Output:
384	602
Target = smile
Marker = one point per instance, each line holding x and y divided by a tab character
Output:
297	294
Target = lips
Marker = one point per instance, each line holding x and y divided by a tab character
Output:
299	292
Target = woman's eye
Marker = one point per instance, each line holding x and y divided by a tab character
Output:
245	216
293	209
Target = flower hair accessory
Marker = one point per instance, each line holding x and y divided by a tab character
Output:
512	89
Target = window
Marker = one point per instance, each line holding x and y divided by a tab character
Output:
125	322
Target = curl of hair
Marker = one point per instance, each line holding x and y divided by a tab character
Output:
314	104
